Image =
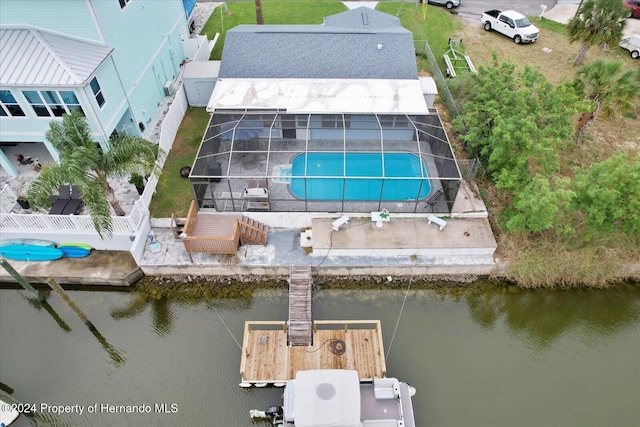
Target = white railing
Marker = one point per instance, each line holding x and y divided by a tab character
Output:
7	199
66	223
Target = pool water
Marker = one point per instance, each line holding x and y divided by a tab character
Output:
360	175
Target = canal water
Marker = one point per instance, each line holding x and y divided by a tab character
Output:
493	357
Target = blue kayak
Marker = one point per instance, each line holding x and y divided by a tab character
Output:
30	252
34	242
74	251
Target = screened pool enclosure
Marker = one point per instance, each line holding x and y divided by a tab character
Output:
259	161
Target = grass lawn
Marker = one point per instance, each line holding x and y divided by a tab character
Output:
173	193
437	28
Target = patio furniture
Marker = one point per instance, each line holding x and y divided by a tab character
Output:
439	221
380	218
67	202
339	222
215	171
257	183
61	200
434	198
75	202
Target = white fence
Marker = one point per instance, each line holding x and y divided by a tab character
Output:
7	199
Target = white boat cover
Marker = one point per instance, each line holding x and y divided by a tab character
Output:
327	398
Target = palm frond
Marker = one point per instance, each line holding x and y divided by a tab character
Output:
93	196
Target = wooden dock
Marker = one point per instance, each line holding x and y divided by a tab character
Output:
300	320
337	344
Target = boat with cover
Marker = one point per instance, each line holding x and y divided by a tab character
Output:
337	397
8	413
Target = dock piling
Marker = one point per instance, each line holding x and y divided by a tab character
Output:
5	264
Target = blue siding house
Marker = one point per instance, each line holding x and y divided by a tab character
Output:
116	60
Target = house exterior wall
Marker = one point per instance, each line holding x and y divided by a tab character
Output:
64	16
145	66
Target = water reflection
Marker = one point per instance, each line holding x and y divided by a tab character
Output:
161	313
114	354
45	305
161	300
541	317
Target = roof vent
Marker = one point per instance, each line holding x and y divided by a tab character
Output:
365	18
379	46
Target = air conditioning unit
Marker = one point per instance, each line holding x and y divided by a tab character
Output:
168	88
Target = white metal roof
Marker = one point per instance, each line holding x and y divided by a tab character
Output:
351	96
30	57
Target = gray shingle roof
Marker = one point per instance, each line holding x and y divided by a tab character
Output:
32	57
359	44
362	18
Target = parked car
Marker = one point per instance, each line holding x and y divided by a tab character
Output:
632	44
634	8
512	24
449	4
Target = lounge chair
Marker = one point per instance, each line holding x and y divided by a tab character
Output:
75	203
60	201
434	198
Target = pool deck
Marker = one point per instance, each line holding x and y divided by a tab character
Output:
405	245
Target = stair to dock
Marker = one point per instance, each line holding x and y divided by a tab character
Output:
253	232
300	324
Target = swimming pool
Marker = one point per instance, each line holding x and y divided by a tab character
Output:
349	186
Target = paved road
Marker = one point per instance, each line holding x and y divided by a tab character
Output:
473	8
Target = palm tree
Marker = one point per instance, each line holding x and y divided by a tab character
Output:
83	163
597	23
607	88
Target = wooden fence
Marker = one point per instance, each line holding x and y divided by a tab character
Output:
210	233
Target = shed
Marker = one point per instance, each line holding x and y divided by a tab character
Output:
199	79
429	89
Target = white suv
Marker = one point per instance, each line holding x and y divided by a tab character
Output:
449	4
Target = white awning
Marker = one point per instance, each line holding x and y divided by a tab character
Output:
318	96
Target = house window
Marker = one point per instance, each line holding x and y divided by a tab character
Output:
335	121
51	103
70	100
123	3
389	122
97	91
9	106
37	103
